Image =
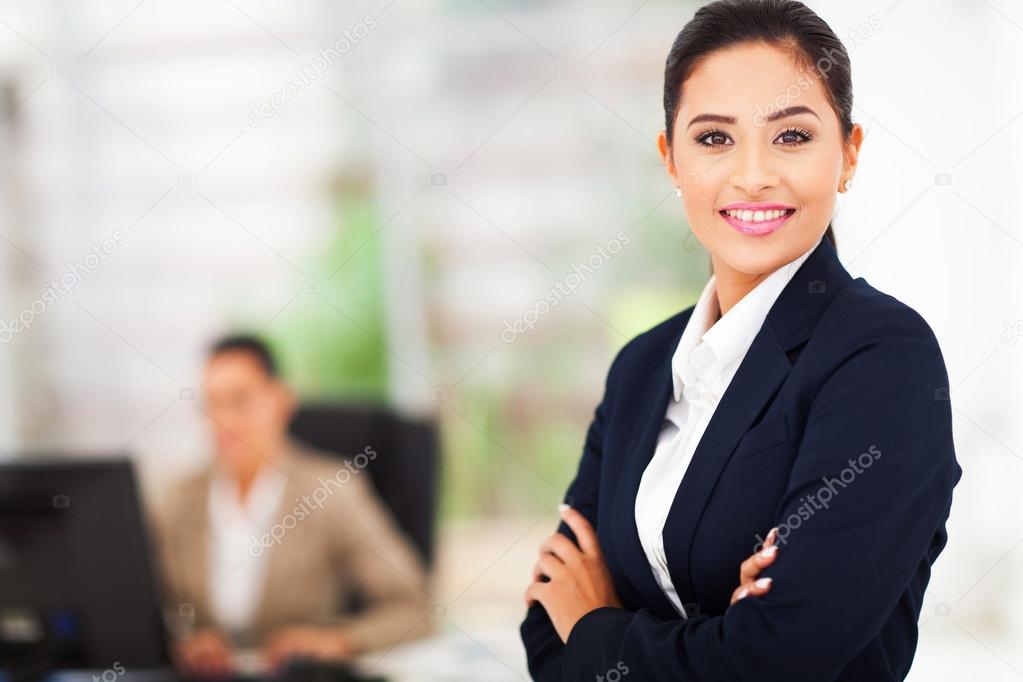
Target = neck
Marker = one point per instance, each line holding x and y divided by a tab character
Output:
732	285
244	482
245	478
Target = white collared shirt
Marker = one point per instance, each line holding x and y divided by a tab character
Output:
706	359
236	566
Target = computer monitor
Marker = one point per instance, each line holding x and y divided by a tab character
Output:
77	587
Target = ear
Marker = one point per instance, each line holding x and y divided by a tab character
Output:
851	151
287	401
667	159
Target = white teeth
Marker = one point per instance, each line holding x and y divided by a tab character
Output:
756	216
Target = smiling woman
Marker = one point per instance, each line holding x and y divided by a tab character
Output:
748	411
763	117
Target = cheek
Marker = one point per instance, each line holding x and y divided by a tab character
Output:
270	419
701	200
814	177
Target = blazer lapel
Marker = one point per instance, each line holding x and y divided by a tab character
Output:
640	450
279	559
755	382
193	529
763	369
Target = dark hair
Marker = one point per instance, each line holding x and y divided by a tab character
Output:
246	343
787	24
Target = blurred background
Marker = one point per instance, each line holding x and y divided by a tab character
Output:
455	208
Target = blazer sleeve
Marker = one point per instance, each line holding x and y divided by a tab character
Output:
175	538
542	643
840	573
380	561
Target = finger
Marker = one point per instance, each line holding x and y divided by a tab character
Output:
546	550
545	557
537	592
560	546
756	588
584	532
203	660
750	569
208	664
760	586
284	647
219	662
550	566
272	650
526	597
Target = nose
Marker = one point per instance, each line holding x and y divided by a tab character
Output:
752	173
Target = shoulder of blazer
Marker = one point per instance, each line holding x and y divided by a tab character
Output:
861	314
644	350
185	503
308	468
862	320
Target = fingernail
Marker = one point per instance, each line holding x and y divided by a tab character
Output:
772	534
562	507
768	551
743	592
763	582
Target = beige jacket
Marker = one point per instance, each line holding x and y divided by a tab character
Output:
349	543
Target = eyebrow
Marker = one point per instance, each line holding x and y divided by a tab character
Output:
730	120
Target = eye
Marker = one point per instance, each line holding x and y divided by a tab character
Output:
712	138
794	137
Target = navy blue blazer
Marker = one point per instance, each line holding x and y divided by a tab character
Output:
837	428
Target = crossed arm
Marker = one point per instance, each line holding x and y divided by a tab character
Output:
836	580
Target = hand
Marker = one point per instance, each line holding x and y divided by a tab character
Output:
749	585
579	579
321	643
206	653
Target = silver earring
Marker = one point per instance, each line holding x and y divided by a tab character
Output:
847	184
678	191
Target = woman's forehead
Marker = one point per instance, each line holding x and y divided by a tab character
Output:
744	80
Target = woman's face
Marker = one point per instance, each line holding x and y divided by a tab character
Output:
726	153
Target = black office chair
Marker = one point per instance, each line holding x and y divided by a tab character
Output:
405	472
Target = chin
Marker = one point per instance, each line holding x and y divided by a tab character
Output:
232	457
755	259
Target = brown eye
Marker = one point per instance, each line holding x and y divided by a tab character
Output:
713	138
794	137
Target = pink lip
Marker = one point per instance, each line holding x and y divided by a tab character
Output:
759	206
756	229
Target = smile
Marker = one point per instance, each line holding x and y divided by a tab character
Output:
756	219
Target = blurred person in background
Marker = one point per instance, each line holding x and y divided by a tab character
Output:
266	546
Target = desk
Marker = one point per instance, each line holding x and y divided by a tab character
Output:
454	656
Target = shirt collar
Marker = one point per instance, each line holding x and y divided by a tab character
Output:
701	320
260	504
723	342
